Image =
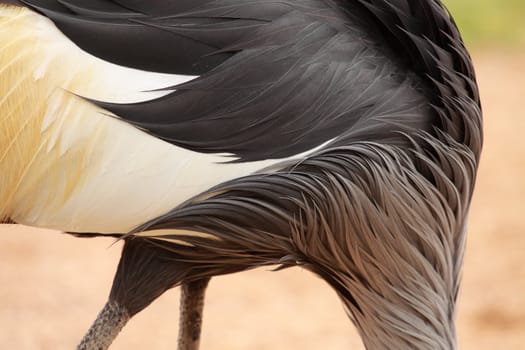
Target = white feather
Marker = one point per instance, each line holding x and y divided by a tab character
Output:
108	82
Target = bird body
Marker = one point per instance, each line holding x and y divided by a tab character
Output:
219	136
80	167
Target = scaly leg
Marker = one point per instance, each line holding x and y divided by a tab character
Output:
106	327
191	309
145	271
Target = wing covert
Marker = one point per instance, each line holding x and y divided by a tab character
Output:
276	78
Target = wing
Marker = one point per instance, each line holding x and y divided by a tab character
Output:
276	79
178	97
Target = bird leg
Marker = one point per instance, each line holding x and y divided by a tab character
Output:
106	327
191	309
145	271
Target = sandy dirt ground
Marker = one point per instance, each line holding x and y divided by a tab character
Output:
53	285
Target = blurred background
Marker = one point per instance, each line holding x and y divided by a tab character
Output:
53	285
488	23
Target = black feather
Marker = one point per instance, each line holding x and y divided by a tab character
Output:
277	79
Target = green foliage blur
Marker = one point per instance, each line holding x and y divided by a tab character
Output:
490	22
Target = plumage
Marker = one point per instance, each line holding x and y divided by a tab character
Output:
216	136
269	67
83	166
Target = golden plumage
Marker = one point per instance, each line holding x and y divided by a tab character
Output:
30	142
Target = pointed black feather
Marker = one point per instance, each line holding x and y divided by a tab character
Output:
276	78
117	36
98	9
161	7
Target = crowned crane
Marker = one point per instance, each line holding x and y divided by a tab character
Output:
216	136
